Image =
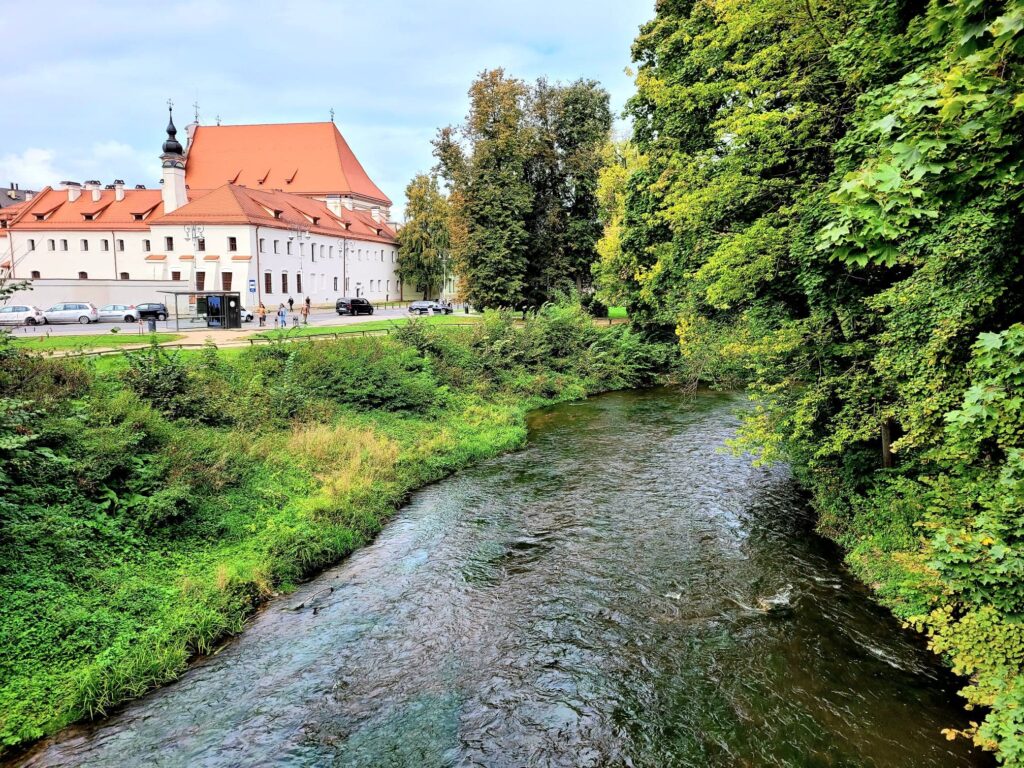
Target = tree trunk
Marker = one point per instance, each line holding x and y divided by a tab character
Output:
888	460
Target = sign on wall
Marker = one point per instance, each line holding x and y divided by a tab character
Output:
252	285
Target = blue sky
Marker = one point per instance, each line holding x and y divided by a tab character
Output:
85	83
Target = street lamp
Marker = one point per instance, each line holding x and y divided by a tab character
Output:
194	235
299	233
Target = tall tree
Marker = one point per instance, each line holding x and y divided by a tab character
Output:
424	253
523	171
490	193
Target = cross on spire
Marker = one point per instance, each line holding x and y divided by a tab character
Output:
170	104
217	118
332	114
195	106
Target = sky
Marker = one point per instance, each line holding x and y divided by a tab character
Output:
86	84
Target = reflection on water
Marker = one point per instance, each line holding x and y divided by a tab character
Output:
589	601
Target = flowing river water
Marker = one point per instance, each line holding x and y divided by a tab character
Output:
588	601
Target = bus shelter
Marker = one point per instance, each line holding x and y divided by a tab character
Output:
218	309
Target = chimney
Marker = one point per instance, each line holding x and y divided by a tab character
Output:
29	195
119	189
93	186
74	190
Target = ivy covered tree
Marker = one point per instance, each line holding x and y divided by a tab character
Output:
825	204
522	172
424	241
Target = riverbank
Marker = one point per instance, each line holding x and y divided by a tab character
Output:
149	506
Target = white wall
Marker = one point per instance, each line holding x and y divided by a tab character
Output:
45	293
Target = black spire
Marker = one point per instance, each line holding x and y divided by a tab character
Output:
172	146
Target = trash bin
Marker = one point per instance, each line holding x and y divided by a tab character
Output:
151	324
466	307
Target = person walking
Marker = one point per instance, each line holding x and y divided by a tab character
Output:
304	311
282	317
291	303
261	313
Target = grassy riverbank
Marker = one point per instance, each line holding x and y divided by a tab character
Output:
147	507
46	343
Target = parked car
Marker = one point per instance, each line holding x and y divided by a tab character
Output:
353	307
72	312
154	311
19	314
115	313
424	307
247	314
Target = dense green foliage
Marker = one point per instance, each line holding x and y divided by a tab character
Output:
523	172
425	240
149	503
824	201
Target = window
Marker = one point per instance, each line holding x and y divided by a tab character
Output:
382	255
277	244
335	284
330	252
31	245
288	247
137	216
392	257
389	286
168	243
298	282
200	281
124	275
83	275
104	245
50	245
262	245
63	245
322	251
284	279
267	283
120	245
348	281
85	245
225	281
35	274
200	244
232	243
175	275
145	246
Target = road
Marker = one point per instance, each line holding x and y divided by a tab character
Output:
320	317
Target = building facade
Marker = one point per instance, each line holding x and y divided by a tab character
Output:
324	237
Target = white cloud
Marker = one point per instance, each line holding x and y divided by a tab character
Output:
31	169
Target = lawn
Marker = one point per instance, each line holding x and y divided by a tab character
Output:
370	325
91	340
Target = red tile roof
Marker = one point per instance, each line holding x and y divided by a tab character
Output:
304	158
108	212
234	204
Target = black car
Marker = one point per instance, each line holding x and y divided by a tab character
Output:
151	311
353	307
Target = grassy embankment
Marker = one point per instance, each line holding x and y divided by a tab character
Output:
44	343
149	503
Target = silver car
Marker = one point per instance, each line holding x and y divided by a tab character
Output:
72	312
19	314
116	313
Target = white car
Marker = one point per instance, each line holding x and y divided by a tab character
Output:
73	312
116	313
19	314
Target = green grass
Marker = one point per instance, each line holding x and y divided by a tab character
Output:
43	343
617	313
370	325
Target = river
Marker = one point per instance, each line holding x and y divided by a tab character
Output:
587	601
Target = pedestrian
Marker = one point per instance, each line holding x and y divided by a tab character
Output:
261	313
282	317
309	304
305	313
291	303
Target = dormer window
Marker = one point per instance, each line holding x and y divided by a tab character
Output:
89	216
277	214
137	216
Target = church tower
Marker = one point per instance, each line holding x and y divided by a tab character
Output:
173	160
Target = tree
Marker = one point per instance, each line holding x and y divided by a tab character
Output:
522	171
424	242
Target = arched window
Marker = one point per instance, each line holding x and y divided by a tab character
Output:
124	275
35	274
83	275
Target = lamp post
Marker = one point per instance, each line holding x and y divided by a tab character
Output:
299	234
194	235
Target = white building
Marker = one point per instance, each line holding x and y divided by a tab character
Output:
272	211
